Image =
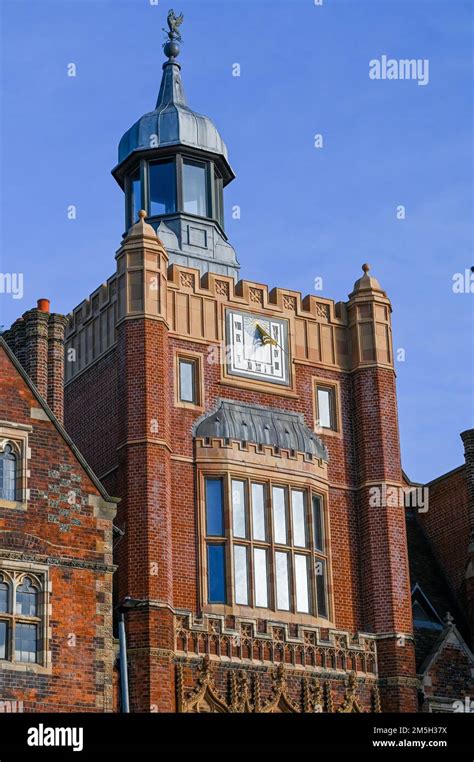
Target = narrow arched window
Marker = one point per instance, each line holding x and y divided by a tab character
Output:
3	596
26	598
8	487
4	609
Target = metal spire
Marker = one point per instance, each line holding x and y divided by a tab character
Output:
171	88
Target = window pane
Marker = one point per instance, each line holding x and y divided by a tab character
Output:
258	512
238	509
8	474
3	640
162	188
195	189
241	575
3	596
318	523
320	567
216	573
260	577
187	381
299	523
219	201
324	408
26	596
25	642
301	579
282	581
136	195
214	507
279	515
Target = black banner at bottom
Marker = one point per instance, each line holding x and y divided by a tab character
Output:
86	736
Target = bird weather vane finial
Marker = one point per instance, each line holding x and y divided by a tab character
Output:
174	22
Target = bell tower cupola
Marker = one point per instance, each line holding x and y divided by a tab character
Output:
173	164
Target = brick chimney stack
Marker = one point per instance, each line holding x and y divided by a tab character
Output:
37	339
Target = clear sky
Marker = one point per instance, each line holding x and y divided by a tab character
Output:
306	212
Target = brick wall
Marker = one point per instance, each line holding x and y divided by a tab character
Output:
448	508
60	529
158	510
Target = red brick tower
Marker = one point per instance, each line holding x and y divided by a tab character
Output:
384	561
143	447
243	430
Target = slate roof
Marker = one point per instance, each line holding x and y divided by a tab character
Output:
172	122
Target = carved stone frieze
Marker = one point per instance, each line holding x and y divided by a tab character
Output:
306	648
235	690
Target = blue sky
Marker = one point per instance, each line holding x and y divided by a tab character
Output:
306	212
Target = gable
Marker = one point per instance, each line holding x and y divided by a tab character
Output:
20	402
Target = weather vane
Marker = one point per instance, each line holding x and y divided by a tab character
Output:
171	47
174	22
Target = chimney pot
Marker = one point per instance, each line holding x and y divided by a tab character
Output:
43	305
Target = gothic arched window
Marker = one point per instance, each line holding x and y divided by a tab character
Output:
21	618
26	598
8	473
3	596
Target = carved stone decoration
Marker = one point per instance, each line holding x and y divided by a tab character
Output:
328	697
376	707
279	701
213	634
204	698
307	702
256	295
214	626
257	699
318	696
234	693
351	703
222	288
248	691
289	302
278	634
187	280
322	310
246	704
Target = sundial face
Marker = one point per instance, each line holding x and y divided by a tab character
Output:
257	347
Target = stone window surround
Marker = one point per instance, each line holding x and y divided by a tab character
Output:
335	387
16	434
197	359
14	573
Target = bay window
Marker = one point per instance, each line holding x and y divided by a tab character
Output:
265	546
